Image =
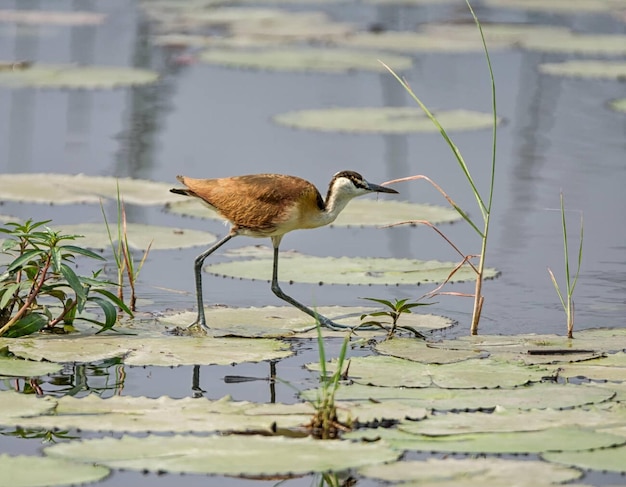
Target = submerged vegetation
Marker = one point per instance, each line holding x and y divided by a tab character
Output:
39	289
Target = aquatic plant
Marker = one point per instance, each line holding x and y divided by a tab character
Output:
392	311
567	301
40	290
484	203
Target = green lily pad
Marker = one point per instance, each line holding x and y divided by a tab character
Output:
529	397
607	45
140	414
420	351
486	472
361	212
586	69
48	17
325	60
387	120
347	270
618	105
139	236
612	367
285	321
247	455
16	405
607	459
553	439
476	373
76	77
560	6
163	351
502	420
10	367
72	189
31	471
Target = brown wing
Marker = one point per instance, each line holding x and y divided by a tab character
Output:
258	202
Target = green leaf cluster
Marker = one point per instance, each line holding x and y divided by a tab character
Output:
39	288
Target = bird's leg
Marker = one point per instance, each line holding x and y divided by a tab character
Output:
201	320
279	292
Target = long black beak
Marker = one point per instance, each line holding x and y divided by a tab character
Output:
380	189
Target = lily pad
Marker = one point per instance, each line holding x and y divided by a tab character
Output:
586	69
606	459
595	417
139	236
486	472
79	188
612	367
539	396
10	367
140	414
359	213
590	44
225	455
76	77
163	351
16	405
560	6
48	17
553	439
420	351
285	321
325	60
347	270
386	120
31	471
618	105
476	373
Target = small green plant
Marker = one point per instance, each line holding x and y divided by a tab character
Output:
394	310
484	204
39	289
567	301
124	260
325	423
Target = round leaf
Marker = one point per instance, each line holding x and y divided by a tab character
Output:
31	471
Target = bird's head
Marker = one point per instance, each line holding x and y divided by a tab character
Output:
351	184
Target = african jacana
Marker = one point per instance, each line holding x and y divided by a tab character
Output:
270	205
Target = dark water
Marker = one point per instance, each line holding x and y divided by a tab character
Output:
206	121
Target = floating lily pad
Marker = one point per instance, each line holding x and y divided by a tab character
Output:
31	471
326	60
560	6
553	439
532	348
608	45
505	420
72	189
612	367
347	270
48	17
247	455
420	351
139	236
606	459
140	414
486	472
16	405
272	321
618	105
529	397
10	367
388	120
359	213
164	351
476	373
76	77
586	68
